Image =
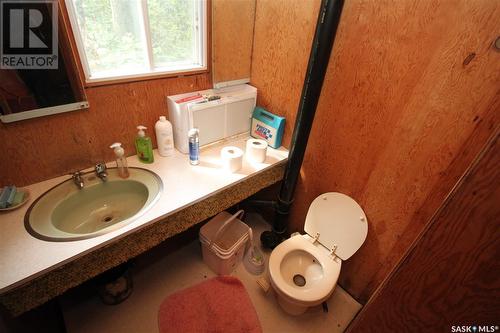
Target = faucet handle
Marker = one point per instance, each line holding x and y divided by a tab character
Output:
77	179
100	167
100	170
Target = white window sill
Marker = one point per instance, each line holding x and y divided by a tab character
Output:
115	79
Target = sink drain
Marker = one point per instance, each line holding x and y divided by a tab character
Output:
299	280
107	219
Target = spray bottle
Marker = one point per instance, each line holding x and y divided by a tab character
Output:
194	146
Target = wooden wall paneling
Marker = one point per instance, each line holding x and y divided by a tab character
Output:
401	114
232	33
450	275
284	31
440	189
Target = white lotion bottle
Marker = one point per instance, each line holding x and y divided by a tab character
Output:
164	137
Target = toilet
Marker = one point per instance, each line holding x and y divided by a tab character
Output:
304	269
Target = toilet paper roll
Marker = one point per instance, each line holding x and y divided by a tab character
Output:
232	158
256	150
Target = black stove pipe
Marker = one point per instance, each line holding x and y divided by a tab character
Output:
326	28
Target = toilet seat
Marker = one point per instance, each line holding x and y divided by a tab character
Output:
337	222
324	285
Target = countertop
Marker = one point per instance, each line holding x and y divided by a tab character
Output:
24	257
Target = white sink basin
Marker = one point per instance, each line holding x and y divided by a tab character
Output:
66	213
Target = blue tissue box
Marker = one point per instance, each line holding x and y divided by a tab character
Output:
267	126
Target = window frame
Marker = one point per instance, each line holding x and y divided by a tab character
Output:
153	73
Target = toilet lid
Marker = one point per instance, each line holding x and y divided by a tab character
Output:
340	221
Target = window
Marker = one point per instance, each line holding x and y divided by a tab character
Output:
119	39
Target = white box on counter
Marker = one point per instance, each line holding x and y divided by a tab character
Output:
216	119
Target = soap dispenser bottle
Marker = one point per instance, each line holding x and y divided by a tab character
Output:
121	161
144	146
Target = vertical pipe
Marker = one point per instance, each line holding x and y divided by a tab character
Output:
326	28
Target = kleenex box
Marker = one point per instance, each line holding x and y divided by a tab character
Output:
267	126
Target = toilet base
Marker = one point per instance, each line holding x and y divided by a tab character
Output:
289	307
293	308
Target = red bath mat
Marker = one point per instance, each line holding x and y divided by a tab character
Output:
218	305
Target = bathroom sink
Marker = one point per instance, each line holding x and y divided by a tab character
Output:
67	213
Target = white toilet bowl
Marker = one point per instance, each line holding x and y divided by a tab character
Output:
304	269
303	274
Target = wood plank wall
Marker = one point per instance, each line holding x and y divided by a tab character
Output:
410	96
450	276
232	39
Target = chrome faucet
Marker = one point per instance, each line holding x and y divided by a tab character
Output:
77	179
100	170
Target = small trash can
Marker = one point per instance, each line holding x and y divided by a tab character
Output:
223	242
